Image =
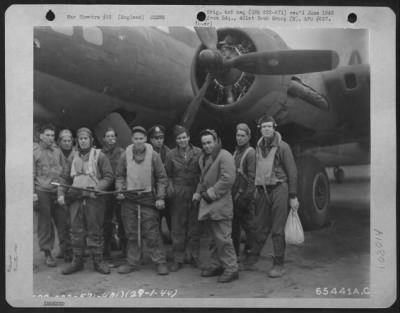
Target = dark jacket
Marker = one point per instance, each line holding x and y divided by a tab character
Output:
244	184
113	154
48	166
183	171
163	151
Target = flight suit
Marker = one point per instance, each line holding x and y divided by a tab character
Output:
48	166
272	196
243	197
184	172
150	216
113	153
87	214
163	151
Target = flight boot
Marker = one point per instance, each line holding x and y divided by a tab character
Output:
49	260
128	268
176	266
277	269
99	265
249	263
227	277
67	256
75	266
162	269
213	271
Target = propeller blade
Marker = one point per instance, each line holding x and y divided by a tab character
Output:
285	62
193	107
208	36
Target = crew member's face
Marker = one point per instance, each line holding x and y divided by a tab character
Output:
110	138
182	140
139	139
208	143
157	141
84	141
241	137
66	143
47	137
267	129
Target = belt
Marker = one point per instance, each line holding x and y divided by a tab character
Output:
269	188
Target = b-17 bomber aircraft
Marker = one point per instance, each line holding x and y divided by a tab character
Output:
117	77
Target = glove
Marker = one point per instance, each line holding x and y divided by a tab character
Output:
120	196
206	197
92	195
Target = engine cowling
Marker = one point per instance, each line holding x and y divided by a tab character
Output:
232	90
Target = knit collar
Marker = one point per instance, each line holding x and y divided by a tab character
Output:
271	142
265	144
108	148
66	152
84	151
138	154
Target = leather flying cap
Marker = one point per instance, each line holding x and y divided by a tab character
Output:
139	129
244	127
156	130
65	133
84	130
178	129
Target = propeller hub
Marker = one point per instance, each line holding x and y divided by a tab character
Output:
211	59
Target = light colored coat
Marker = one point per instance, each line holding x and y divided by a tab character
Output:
217	178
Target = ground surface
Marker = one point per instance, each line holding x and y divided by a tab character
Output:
337	256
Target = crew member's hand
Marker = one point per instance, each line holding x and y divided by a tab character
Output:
120	196
61	200
196	197
206	197
294	203
160	204
35	197
92	194
171	190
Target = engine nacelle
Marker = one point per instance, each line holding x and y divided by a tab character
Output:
233	90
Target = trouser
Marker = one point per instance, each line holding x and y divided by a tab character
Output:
167	214
87	221
221	245
150	232
243	217
271	215
48	211
113	207
185	227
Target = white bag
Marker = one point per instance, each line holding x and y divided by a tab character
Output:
294	234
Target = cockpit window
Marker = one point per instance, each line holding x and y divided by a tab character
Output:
93	35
